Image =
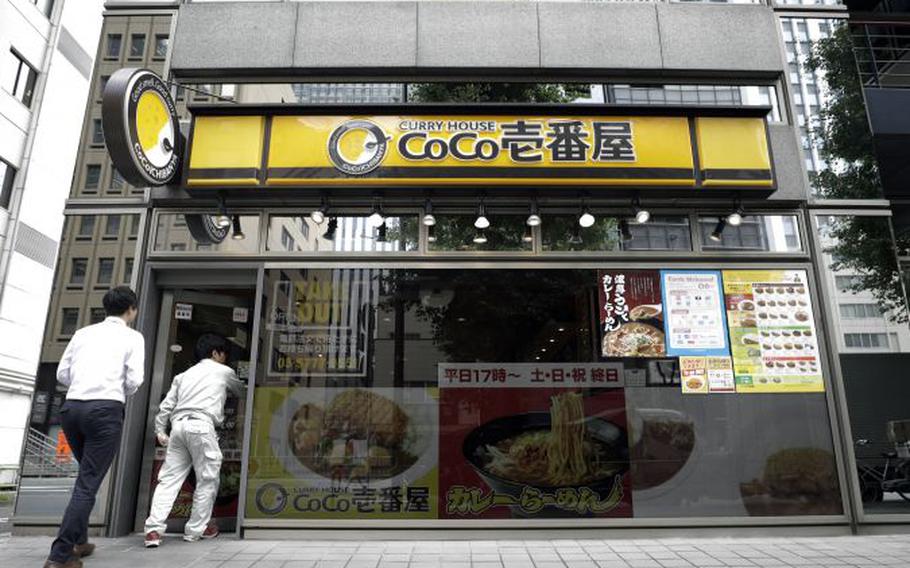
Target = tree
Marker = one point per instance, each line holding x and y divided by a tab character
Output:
860	245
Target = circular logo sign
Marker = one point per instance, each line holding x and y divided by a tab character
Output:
271	498
357	147
141	128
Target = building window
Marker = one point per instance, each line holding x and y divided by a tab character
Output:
112	227
846	283
856	311
114	42
117	181
134	227
161	42
69	321
77	271
46	6
287	241
97	315
86	227
178	247
105	272
137	46
97	132
19	78
92	176
866	340
7	174
127	270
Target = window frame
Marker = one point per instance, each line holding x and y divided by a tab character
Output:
31	80
7	182
107	46
141	37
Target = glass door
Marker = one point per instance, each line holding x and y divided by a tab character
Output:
185	315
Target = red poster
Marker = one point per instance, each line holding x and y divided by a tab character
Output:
631	313
533	453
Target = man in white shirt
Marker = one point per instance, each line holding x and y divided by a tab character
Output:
194	407
102	365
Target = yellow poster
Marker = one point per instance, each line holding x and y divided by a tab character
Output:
772	331
341	453
693	375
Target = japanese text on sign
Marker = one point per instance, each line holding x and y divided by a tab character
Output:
523	375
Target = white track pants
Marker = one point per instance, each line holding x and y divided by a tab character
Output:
193	444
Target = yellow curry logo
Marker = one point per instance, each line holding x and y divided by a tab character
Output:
357	147
154	129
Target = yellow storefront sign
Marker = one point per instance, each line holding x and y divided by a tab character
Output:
494	150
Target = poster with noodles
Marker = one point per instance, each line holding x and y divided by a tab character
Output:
631	313
534	451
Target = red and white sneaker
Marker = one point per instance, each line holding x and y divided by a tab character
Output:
211	531
152	539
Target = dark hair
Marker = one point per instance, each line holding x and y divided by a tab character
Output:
119	300
209	342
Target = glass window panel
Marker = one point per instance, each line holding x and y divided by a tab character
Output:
342	234
161	43
173	233
127	270
97	132
77	271
97	315
117	181
69	321
86	226
769	233
92	176
18	78
7	176
137	45
457	233
708	95
348	389
112	226
105	271
563	233
114	41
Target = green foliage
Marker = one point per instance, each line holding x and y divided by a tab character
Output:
496	92
862	245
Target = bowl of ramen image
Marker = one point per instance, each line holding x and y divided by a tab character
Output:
549	451
634	340
645	312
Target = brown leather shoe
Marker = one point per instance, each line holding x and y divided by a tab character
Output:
71	563
83	550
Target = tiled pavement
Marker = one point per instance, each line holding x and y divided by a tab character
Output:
814	552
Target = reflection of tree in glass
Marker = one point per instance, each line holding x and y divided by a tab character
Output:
456	233
500	315
563	233
860	244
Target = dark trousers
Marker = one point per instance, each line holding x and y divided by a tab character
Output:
92	429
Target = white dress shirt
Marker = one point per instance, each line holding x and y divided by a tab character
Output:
200	390
104	361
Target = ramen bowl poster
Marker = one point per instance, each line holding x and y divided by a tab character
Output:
631	313
533	452
342	453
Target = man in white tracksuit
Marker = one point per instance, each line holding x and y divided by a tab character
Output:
194	406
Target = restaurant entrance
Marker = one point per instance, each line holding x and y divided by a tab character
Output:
187	313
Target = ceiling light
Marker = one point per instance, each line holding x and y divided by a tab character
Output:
481	222
428	218
238	230
624	230
222	220
480	238
431	234
575	237
330	229
375	219
735	218
642	216
586	219
318	215
534	218
718	230
528	237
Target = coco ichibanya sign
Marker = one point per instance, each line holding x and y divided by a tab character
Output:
239	149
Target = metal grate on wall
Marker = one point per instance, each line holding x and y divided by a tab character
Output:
35	245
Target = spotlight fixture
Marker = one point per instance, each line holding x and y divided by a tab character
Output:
735	218
586	219
428	218
375	219
534	218
431	234
575	236
222	220
718	230
642	216
330	229
318	215
481	222
237	230
480	237
624	231
382	233
528	237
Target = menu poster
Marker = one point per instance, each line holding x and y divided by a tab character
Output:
694	322
694	373
631	313
772	331
533	451
720	374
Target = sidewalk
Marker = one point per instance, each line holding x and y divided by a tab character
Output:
225	552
